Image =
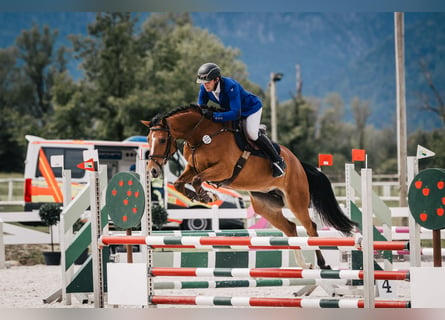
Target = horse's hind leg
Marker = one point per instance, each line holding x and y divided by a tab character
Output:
270	208
302	214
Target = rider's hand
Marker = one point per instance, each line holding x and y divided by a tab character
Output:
208	114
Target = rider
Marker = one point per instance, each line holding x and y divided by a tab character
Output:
236	103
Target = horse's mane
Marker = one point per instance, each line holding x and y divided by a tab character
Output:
181	109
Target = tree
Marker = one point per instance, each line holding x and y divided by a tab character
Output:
172	63
74	117
111	59
334	134
361	114
8	100
297	120
439	106
132	74
40	64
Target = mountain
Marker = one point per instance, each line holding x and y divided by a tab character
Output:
350	53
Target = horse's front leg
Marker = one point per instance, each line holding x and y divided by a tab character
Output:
203	195
183	179
214	173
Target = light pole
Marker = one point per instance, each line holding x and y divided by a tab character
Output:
401	105
274	77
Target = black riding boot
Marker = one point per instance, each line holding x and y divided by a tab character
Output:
278	164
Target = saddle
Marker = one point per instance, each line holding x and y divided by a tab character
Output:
245	144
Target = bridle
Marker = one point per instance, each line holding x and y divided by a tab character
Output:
167	153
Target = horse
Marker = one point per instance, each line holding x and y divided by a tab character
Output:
212	153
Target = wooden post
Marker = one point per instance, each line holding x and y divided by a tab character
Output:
437	255
129	248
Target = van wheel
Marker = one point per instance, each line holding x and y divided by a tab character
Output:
196	224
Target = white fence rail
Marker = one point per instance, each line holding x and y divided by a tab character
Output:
11	234
14	234
10	185
387	190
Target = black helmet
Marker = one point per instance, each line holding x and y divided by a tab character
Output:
208	72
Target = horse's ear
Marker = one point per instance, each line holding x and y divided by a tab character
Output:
145	123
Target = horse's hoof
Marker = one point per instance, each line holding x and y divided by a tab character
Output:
191	195
205	197
325	267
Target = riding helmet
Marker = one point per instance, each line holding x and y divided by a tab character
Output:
208	72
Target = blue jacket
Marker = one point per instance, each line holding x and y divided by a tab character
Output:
234	99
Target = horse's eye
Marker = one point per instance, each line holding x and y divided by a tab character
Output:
162	140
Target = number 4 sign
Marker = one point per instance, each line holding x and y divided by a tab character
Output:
386	289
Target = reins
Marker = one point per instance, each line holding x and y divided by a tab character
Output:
205	140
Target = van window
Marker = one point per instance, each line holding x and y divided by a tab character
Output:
71	158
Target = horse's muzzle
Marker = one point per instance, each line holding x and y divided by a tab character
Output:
155	172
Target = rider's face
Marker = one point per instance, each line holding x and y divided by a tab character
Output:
211	85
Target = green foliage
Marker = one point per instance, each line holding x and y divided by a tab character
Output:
41	62
297	119
50	213
133	70
159	216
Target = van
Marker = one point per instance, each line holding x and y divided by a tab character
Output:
43	181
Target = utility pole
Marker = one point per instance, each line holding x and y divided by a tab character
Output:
401	106
274	77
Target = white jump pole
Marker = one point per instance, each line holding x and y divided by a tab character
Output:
414	227
96	232
146	221
368	237
65	237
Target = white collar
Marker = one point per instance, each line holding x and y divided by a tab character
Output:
217	90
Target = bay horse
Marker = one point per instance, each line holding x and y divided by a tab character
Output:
212	154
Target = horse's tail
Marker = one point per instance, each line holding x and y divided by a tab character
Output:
324	201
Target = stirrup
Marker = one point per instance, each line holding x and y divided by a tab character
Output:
278	169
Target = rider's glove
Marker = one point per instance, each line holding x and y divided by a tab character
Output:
208	114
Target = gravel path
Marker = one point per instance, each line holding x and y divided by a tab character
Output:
28	286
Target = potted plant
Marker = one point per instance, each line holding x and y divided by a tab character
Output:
50	214
159	216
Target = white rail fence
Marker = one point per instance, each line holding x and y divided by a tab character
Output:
387	190
11	196
12	233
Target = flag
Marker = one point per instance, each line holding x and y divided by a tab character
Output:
358	155
423	152
325	160
88	165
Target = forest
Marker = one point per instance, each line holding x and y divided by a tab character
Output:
132	74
